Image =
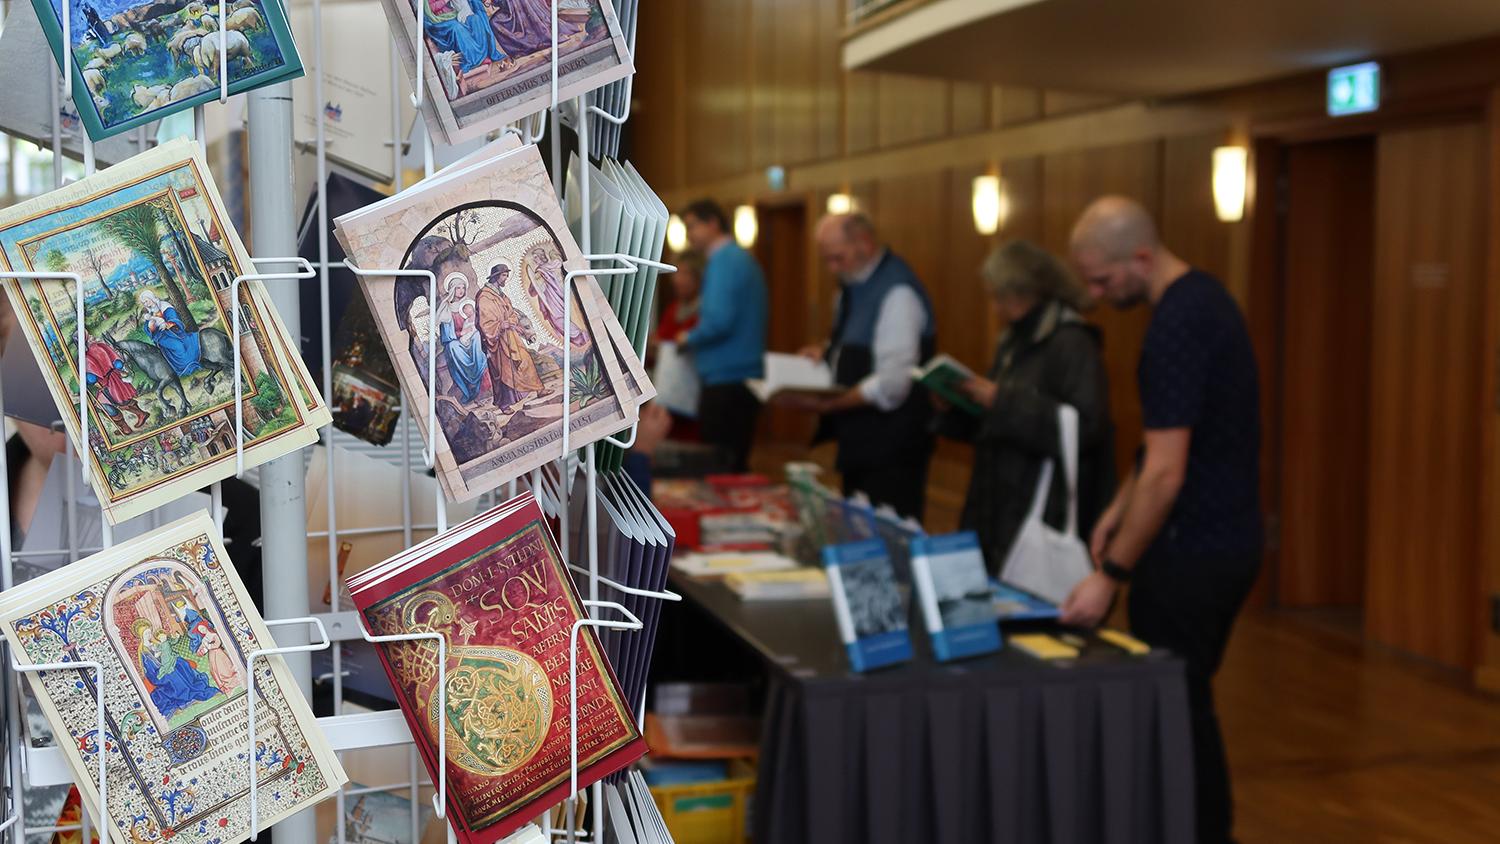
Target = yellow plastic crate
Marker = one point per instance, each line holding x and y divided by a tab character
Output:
709	812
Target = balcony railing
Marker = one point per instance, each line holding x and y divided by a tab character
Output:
863	10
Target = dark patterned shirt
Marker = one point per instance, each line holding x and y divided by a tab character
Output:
1198	371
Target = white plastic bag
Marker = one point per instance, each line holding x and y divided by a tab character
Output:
676	380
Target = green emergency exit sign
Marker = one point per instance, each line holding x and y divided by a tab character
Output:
1354	89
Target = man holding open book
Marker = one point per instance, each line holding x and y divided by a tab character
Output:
883	329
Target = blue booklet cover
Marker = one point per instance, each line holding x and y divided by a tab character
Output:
1014	604
870	612
954	593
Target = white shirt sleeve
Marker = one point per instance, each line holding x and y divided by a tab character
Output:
896	348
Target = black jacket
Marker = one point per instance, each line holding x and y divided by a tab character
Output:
1051	356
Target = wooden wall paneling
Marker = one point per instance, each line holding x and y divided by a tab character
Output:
1023	184
1070	182
718	61
830	78
796	80
961	305
1263	311
912	109
861	112
970	109
1069	102
1188	218
1487	670
1125	125
658	139
1325	374
1421	579
1012	104
911	214
767	108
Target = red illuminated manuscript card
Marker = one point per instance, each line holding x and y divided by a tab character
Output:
505	604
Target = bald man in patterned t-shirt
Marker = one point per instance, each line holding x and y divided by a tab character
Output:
1185	525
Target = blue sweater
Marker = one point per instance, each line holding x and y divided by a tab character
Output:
729	344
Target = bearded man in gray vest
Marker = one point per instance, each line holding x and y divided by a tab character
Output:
883	327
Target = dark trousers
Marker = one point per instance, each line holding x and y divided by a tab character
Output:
900	481
1188	605
726	419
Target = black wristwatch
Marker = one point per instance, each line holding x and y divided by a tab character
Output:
1114	571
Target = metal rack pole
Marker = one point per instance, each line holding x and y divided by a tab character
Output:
283	511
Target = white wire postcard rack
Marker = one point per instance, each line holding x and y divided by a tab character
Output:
44	766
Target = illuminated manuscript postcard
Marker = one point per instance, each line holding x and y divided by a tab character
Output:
157	257
497	590
168	619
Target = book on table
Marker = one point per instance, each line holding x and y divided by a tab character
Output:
945	376
867	604
794	584
496	589
957	604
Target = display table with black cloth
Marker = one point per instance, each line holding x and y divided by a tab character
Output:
999	748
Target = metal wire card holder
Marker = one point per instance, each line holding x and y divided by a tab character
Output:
45	766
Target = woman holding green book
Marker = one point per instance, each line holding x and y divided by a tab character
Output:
1048	355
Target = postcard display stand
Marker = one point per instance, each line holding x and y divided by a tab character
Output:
40	767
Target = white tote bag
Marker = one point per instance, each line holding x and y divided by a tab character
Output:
676	379
1043	561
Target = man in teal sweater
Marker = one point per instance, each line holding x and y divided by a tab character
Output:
729	343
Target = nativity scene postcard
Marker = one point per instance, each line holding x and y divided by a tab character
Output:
168	620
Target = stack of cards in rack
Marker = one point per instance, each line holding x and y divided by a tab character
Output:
635	545
508	332
626	217
634	817
613	98
497	591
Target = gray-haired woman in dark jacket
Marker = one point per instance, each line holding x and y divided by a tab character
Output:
1048	355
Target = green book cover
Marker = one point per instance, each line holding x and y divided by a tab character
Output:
945	376
137	61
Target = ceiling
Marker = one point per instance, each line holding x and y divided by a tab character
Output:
1155	47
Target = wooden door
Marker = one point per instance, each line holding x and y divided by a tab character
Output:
1325	371
782	249
1421	592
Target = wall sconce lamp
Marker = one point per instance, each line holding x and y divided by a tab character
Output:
1231	171
676	234
840	203
991	204
746	227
